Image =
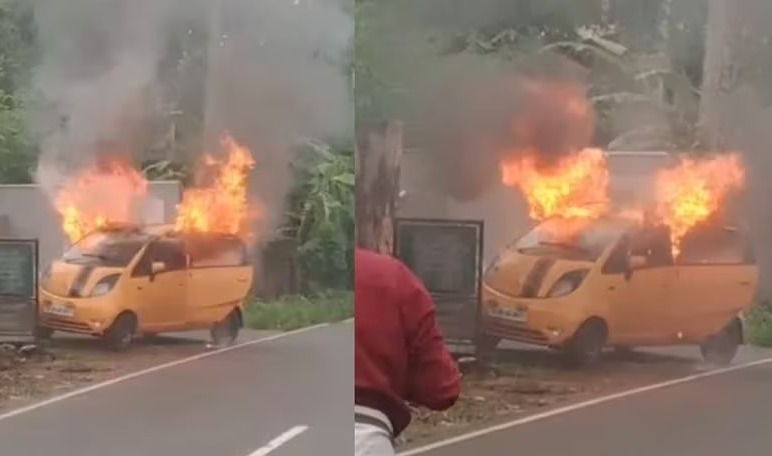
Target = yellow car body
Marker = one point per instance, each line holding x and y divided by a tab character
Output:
162	280
621	279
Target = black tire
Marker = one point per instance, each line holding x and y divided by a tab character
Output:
226	332
721	348
120	335
586	346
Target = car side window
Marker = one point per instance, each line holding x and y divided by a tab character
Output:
220	252
172	253
716	246
617	260
653	244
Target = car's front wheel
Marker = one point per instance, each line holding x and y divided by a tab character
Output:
225	332
720	349
121	334
586	345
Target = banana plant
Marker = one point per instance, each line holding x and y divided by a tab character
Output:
321	216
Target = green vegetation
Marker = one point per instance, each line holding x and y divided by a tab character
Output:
758	326
296	311
321	216
642	60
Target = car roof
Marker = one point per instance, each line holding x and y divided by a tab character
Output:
163	230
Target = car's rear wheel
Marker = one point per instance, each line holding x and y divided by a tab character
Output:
720	349
121	334
225	332
586	345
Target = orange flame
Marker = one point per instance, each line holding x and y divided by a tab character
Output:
100	195
575	187
221	206
694	190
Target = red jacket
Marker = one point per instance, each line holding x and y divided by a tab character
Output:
400	354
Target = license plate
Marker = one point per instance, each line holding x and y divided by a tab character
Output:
60	310
518	315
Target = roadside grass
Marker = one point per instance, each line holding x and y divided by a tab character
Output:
758	326
296	311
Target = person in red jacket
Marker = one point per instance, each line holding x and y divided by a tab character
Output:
399	353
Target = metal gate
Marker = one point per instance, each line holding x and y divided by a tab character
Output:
18	287
447	256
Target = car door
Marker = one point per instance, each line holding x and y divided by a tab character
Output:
639	299
717	279
220	277
160	297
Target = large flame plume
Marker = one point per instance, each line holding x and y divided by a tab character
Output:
561	178
111	191
574	187
694	190
104	194
221	206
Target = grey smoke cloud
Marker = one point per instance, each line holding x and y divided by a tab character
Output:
277	73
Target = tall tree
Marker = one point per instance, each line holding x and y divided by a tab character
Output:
736	107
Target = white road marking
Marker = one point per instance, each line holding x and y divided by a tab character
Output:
578	406
280	440
150	370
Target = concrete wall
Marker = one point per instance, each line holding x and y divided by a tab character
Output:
25	212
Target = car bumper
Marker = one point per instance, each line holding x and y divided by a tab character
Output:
86	316
545	322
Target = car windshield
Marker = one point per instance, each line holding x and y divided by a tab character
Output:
107	248
577	240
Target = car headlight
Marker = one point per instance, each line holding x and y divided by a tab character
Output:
568	283
105	285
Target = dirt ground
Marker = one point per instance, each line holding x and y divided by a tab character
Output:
522	382
29	373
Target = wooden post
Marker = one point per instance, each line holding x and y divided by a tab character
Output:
378	157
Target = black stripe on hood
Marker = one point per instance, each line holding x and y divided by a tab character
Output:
81	278
533	281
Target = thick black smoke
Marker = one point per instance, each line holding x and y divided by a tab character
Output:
478	119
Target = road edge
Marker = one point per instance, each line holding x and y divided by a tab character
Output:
142	372
579	405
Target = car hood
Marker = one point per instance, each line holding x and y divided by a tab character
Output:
74	279
528	276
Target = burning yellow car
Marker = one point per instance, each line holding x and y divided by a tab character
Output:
120	282
614	282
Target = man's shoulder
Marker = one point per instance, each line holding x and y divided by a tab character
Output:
369	259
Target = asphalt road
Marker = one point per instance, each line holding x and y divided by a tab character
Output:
229	404
727	414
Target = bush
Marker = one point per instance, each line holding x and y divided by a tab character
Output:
321	216
758	326
296	311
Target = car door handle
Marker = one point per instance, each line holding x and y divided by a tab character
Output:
745	283
241	279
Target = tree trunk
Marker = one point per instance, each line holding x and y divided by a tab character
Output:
732	114
378	153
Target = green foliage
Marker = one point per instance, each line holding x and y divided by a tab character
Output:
16	153
321	216
758	326
17	54
296	311
643	59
